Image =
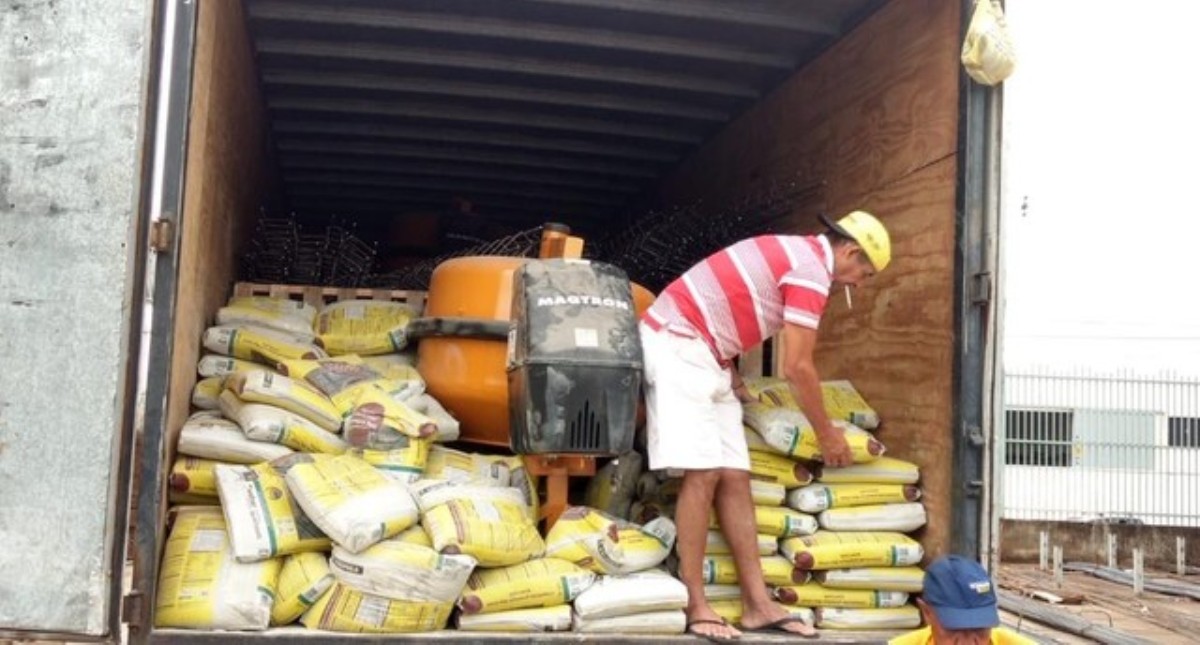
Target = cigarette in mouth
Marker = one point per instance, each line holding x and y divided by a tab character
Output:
849	302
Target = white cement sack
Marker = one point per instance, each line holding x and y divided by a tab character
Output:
275	425
301	312
431	493
251	316
910	579
605	544
843	402
841	550
206	394
263	519
216	365
621	595
260	345
544	582
345	609
403	571
458	466
304	578
525	621
767	493
722	592
211	437
351	501
789	433
448	428
404	463
613	488
881	517
201	584
907	617
777	571
819	497
885	470
655	622
297	397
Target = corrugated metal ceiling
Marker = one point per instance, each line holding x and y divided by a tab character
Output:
527	109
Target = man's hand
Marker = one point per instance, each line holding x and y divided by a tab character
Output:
835	452
743	394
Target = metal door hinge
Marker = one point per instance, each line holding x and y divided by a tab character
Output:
162	235
981	288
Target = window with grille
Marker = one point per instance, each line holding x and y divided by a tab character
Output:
1183	432
1038	437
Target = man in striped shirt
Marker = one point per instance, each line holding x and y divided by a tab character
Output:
721	307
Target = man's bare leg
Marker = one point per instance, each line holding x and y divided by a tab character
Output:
735	510
691	520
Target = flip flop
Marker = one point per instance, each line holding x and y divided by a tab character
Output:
777	626
712	638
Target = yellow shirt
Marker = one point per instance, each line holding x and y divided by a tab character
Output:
924	636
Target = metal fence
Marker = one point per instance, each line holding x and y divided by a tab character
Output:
1116	447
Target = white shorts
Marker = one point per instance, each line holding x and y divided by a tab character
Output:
693	418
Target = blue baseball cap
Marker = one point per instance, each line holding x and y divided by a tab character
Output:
961	594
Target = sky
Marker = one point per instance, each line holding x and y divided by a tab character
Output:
1101	216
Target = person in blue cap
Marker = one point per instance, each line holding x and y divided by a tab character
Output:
958	603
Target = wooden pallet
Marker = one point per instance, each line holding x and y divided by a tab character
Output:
320	296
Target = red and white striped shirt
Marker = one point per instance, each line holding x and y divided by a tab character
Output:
743	294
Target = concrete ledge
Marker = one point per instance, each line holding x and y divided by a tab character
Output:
1087	542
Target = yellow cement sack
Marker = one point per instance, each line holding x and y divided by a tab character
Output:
329	375
904	517
815	595
777	469
777	571
294	316
383	362
844	403
402	571
544	582
653	622
275	425
457	466
605	544
351	501
304	578
833	550
375	420
644	512
820	497
206	394
909	579
216	365
906	617
403	464
789	433
634	593
448	428
495	533
715	544
518	621
208	436
263	519
193	476
755	442
344	609
414	535
722	592
885	470
615	485
431	493
202	586
731	611
265	346
778	521
297	397
365	327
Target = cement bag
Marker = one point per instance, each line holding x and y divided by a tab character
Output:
207	393
716	544
258	344
276	425
458	466
908	579
844	403
673	621
544	582
832	550
344	609
431	493
814	595
364	327
448	428
881	517
988	54
777	521
906	617
821	497
722	592
755	442
634	593
384	363
263	519
495	533
403	464
731	611
777	469
644	512
194	477
208	436
767	493
789	433
524	621
304	578
885	470
414	535
215	365
297	397
329	375
525	482
777	571
653	488
202	586
284	314
605	544
402	571
351	501
615	485
373	419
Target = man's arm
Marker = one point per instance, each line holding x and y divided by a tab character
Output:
801	373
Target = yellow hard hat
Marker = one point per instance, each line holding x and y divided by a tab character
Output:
868	232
